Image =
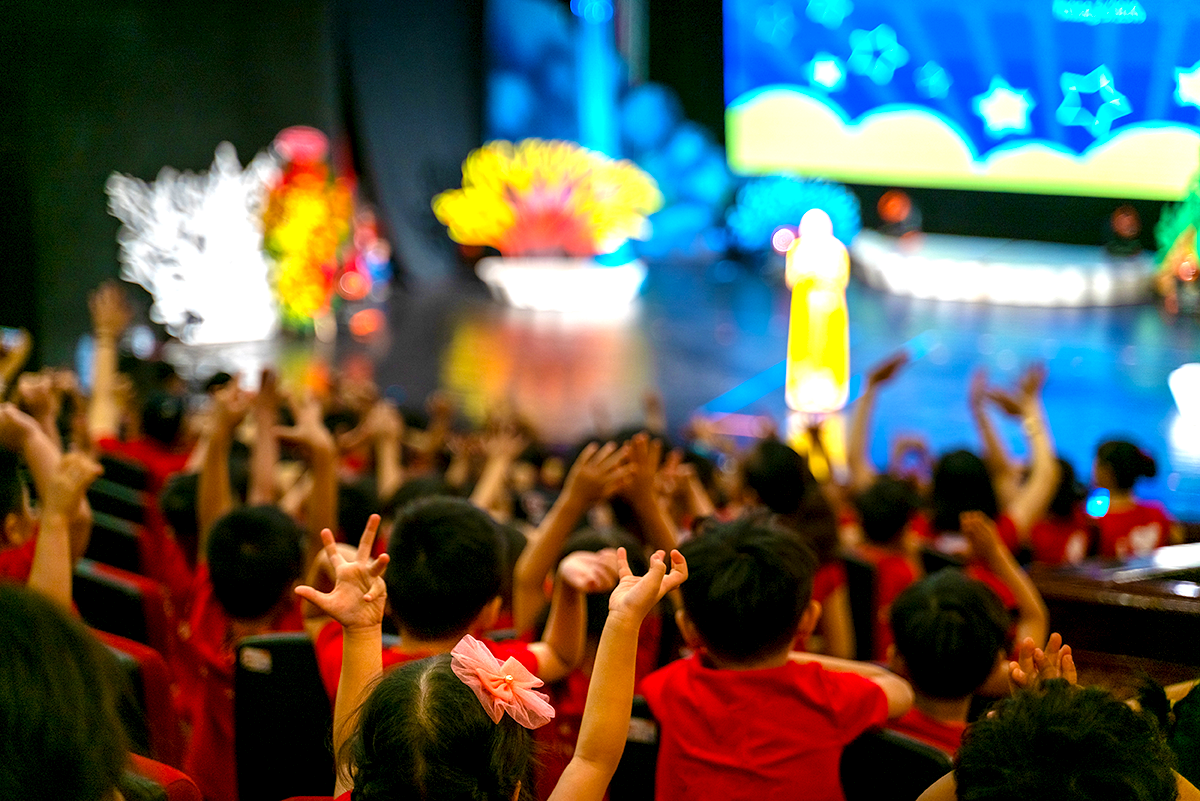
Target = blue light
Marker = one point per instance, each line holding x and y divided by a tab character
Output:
1097	503
592	10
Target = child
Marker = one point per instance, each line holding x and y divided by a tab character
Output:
1064	534
1131	527
457	726
884	511
744	717
950	635
444	582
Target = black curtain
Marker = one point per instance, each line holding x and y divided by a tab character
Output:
411	81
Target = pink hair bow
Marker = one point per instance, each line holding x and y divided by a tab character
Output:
501	688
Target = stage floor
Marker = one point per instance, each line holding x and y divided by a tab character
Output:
711	338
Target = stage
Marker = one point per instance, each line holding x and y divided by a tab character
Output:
711	336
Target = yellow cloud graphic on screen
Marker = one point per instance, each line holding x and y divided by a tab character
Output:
781	129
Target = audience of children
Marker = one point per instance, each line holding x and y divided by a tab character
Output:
498	574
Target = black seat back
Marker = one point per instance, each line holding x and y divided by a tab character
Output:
860	584
883	765
634	779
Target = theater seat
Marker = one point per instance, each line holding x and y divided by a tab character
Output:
634	778
860	585
123	603
111	498
282	719
124	471
115	542
884	765
173	784
151	723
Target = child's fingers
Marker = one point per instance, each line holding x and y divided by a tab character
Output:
330	547
379	566
1017	676
368	538
1067	666
623	564
678	574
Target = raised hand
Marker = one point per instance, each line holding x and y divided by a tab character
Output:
982	534
635	596
590	571
110	310
75	473
598	473
15	426
1035	665
643	459
358	598
309	431
230	405
886	370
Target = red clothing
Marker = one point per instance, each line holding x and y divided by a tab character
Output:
1056	541
928	729
894	571
207	643
160	461
829	577
329	655
759	735
15	563
923	526
1134	532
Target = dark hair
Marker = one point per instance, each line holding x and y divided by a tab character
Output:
961	484
254	555
950	630
1065	743
512	545
414	489
178	504
778	475
60	732
162	417
445	566
885	508
423	734
11	498
1127	462
748	586
356	502
1069	493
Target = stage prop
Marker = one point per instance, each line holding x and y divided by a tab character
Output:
194	242
551	208
1178	262
818	346
1002	271
766	210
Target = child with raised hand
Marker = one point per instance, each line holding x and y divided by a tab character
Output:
457	726
745	716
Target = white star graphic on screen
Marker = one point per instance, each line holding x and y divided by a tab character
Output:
1004	110
826	70
1187	86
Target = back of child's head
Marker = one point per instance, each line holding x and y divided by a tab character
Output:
1069	494
885	508
1126	461
1066	743
162	417
414	489
424	734
748	585
961	483
445	566
950	630
356	502
60	732
778	475
255	553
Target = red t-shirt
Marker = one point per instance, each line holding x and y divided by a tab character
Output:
1133	532
206	688
329	655
159	460
759	735
1056	541
15	563
893	573
928	729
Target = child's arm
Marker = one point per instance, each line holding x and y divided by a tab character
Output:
50	572
214	494
898	691
644	457
37	396
110	315
858	445
356	602
502	448
1032	498
610	695
1033	619
595	475
1004	472
311	434
264	451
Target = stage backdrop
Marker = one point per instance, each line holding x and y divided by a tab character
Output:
1065	97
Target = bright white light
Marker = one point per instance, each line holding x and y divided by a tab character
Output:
194	241
575	287
815	222
1184	382
782	239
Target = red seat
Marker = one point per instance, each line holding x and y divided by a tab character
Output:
124	603
177	785
151	682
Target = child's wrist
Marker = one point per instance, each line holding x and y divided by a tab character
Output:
363	634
